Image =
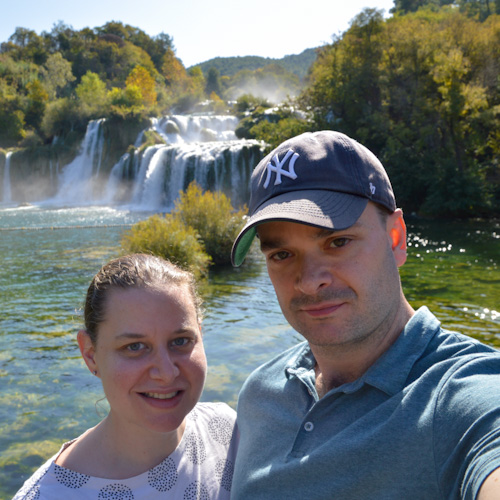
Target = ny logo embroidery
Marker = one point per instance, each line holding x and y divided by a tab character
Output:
372	188
277	168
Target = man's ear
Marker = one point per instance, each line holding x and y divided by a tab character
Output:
88	350
397	232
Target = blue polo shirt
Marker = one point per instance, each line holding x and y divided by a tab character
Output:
422	423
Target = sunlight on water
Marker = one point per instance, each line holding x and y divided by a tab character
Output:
47	394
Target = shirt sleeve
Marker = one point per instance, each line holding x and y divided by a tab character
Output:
467	425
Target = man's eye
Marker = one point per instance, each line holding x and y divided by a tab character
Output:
180	342
279	256
339	242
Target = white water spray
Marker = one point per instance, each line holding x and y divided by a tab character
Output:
7	193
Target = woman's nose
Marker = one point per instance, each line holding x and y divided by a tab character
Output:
163	366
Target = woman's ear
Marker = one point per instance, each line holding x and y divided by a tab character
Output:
88	350
397	231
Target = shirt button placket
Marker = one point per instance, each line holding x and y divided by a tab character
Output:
308	426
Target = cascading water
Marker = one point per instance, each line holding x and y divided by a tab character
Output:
77	180
196	148
201	148
7	195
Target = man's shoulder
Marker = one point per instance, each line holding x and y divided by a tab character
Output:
453	345
440	341
449	356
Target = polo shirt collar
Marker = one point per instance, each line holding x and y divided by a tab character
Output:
390	372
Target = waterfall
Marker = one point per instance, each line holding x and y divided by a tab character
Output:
76	183
203	148
7	195
113	191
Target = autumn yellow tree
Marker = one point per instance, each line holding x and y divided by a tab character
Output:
142	79
174	73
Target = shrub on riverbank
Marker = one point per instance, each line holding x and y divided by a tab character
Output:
200	231
168	237
213	217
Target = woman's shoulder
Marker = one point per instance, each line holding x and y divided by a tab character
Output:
214	423
210	426
211	410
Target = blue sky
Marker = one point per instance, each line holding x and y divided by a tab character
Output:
201	29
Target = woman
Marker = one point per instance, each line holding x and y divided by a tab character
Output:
143	339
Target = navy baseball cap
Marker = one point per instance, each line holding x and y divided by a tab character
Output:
324	179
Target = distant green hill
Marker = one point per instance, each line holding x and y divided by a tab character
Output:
229	66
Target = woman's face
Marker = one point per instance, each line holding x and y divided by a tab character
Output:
149	355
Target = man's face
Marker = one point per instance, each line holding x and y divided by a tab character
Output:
337	288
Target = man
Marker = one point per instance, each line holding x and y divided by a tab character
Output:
380	402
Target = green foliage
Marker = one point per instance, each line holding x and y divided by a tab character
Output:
111	71
56	75
91	93
36	103
274	134
248	103
167	236
126	102
200	230
213	83
11	117
420	90
26	45
214	219
31	140
271	125
63	116
480	9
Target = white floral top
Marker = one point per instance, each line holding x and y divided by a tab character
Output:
201	467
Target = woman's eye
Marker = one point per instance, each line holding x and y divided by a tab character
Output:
136	346
339	242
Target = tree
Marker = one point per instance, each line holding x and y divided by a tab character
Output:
11	117
25	44
174	72
140	78
91	93
36	103
420	90
212	82
345	80
196	80
126	102
56	74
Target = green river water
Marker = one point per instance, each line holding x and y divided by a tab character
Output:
48	257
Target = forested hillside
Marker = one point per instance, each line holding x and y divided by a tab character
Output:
298	64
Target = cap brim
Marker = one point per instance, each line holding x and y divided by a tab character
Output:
321	208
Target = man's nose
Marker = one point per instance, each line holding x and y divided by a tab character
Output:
313	275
